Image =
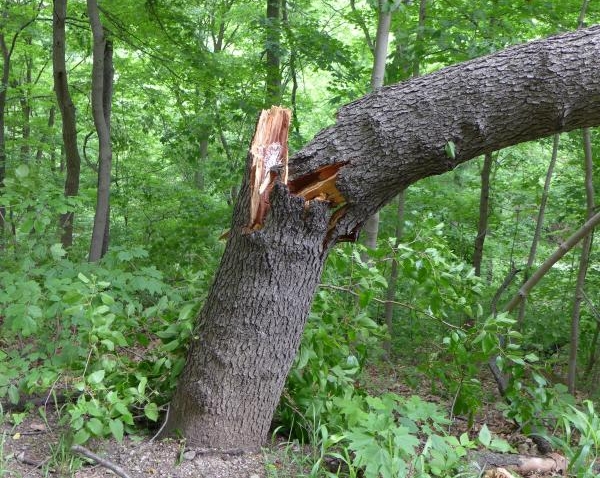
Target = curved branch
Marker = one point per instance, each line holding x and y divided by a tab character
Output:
400	134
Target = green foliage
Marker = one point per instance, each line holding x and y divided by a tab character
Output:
113	338
338	339
384	435
578	438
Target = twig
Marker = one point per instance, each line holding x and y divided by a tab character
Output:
29	461
101	461
163	425
400	304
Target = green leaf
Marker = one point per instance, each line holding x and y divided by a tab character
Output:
485	437
185	311
96	377
13	394
95	426
116	428
57	251
450	149
83	278
151	411
107	299
142	385
81	437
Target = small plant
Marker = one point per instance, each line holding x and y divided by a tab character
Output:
384	435
577	435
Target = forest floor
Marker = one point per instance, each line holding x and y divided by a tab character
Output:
35	448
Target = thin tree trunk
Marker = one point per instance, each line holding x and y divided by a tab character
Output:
7	50
102	75
594	341
6	54
565	247
251	323
583	263
67	111
586	246
484	213
107	94
393	280
26	108
371	228
583	232
539	224
40	150
273	52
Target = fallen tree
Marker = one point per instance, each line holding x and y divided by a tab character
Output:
289	214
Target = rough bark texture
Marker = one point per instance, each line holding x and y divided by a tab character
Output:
67	111
250	327
396	136
251	323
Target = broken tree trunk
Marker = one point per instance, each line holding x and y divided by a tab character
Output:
250	326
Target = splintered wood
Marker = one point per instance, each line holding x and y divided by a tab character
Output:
269	163
268	150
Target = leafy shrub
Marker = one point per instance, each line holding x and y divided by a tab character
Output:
111	337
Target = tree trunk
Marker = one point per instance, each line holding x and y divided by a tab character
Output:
7	50
102	76
484	212
250	326
377	79
539	224
26	107
67	111
3	88
273	53
393	280
583	263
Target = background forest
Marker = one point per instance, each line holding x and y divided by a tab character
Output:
124	129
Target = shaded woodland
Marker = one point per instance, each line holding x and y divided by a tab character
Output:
359	232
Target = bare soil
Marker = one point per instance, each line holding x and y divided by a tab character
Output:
34	449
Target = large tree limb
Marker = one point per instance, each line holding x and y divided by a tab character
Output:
398	135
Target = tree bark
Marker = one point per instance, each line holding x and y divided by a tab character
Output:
250	326
6	54
102	75
67	111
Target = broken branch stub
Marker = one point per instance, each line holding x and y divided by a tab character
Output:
268	150
269	163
